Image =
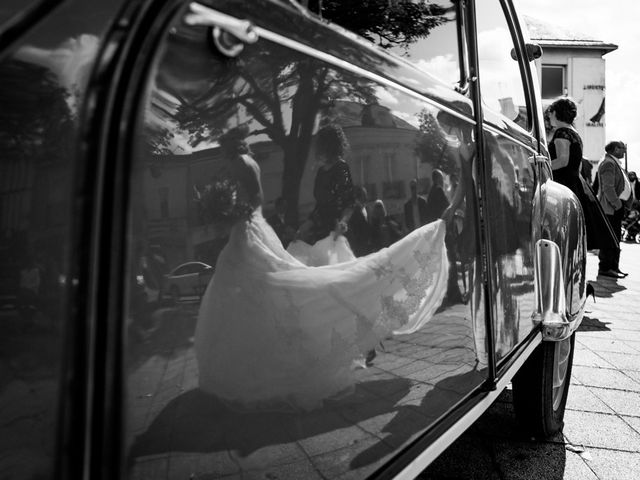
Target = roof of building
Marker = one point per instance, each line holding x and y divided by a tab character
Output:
550	35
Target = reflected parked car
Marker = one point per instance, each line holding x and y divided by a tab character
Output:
187	280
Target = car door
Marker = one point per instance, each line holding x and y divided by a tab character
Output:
279	85
47	51
510	145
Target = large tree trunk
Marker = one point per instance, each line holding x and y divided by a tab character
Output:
305	106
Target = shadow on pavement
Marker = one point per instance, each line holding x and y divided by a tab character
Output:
495	447
605	287
593	325
198	422
403	426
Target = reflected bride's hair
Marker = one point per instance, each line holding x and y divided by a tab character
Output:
221	201
233	142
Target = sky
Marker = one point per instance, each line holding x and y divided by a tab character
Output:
613	21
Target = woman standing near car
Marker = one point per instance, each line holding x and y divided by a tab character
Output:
565	150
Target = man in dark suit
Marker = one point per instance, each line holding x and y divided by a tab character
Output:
613	193
415	209
359	231
437	201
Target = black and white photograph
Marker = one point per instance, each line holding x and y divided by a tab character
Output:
319	240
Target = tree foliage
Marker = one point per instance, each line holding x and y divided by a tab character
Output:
281	91
384	22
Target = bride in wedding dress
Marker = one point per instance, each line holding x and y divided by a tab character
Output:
276	334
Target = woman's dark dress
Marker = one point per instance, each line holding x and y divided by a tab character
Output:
599	233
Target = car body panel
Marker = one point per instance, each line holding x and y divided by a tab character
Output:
87	86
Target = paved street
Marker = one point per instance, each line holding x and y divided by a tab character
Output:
601	438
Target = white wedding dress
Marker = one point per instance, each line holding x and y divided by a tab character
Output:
274	333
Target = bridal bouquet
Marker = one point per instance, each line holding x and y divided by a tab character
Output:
221	203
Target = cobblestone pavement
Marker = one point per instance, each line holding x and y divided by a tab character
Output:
175	431
601	437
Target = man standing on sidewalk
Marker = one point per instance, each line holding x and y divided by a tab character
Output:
613	192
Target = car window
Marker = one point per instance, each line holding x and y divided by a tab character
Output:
183	270
38	128
439	53
316	346
500	78
510	199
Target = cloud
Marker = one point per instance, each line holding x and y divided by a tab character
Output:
386	96
444	67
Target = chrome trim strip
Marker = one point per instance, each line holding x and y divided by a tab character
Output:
412	470
550	297
491	128
325	57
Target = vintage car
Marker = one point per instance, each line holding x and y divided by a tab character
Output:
390	249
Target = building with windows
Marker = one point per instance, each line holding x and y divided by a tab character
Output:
573	64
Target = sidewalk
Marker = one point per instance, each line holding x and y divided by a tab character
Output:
601	437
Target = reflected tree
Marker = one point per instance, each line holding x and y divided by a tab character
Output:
432	145
35	114
36	136
279	90
385	23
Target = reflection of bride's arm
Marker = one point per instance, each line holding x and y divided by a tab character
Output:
464	156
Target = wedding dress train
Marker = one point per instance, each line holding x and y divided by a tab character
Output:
275	333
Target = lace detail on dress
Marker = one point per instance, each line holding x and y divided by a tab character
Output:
381	270
396	312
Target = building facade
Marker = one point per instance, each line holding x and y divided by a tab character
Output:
573	64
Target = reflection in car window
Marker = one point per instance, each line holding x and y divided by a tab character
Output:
510	195
500	77
438	53
340	216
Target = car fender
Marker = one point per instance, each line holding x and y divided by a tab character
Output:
560	264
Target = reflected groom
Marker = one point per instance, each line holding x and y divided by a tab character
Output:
415	209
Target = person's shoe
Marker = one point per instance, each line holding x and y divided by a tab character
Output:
622	273
610	273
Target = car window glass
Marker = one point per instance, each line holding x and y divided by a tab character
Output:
38	129
500	78
311	347
511	205
438	54
181	271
